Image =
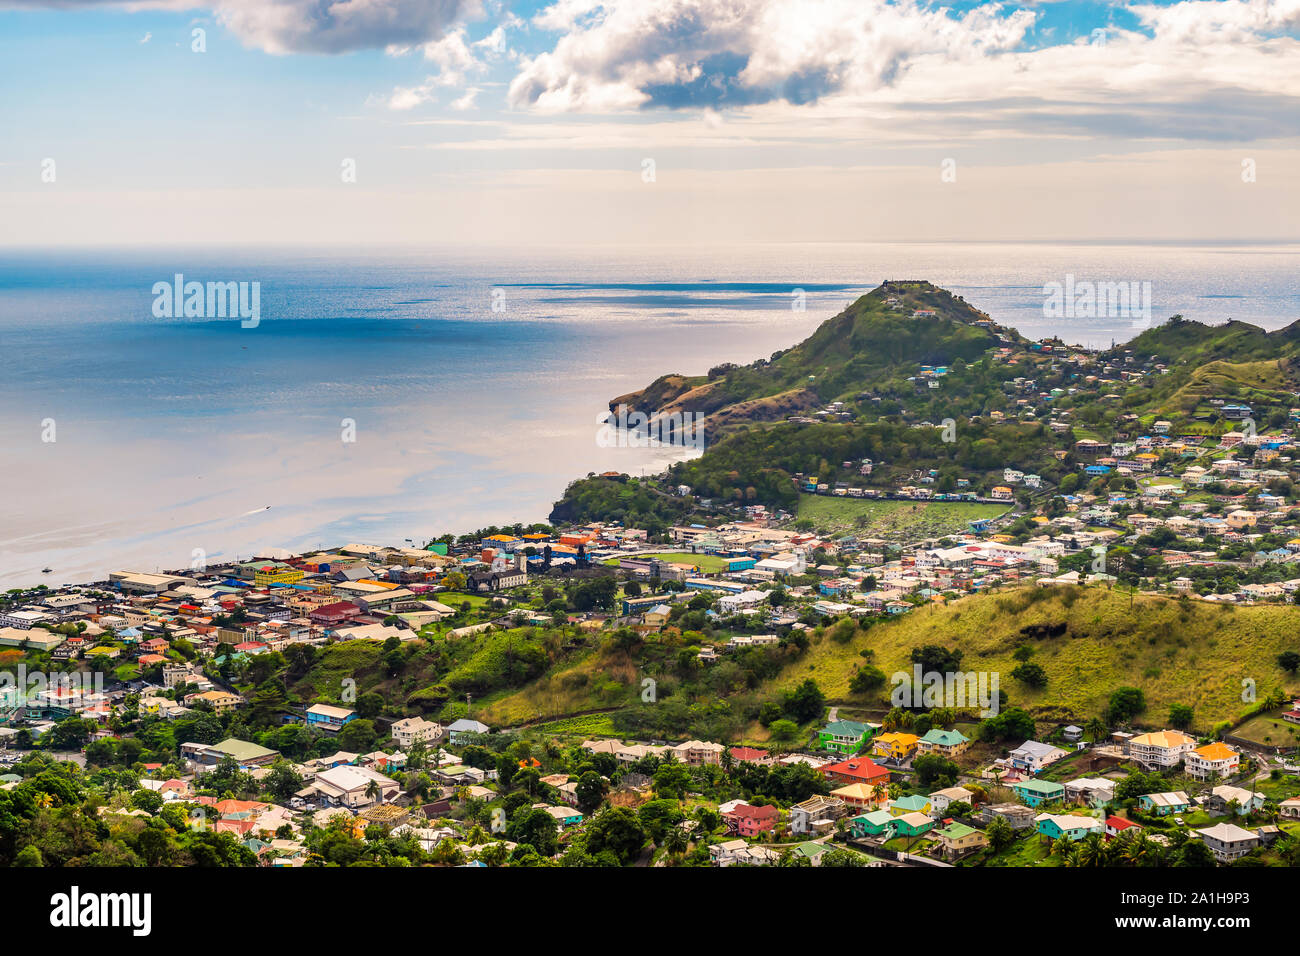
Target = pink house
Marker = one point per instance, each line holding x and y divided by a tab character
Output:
750	821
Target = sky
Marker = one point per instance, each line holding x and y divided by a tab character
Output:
577	121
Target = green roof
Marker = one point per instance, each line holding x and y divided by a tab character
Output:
916	802
810	850
845	728
945	738
1039	786
242	749
876	817
956	831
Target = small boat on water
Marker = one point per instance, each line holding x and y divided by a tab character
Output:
46	570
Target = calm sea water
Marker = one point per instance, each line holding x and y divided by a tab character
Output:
184	438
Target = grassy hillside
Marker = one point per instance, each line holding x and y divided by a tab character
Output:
908	520
1193	653
864	347
1234	360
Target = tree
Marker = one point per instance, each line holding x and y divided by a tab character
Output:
658	817
1031	674
590	792
1194	853
1180	716
672	778
1125	704
1097	730
617	831
1000	834
805	702
282	781
935	768
937	659
866	679
357	736
535	828
1289	661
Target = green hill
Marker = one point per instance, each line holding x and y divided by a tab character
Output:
888	333
1176	652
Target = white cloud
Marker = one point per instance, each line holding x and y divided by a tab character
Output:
719	53
1193	70
456	62
309	26
466	102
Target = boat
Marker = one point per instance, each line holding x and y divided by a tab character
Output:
47	570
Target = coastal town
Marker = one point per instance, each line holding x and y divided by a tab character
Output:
176	698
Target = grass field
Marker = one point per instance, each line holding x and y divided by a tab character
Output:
589	725
1269	730
708	563
892	519
1196	654
1190	652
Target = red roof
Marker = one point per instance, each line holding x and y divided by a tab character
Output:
766	812
748	753
858	768
1119	823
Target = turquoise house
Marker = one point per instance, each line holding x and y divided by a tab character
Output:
1034	792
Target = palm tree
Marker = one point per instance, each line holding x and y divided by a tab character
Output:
676	841
373	792
1139	849
1091	851
1097	729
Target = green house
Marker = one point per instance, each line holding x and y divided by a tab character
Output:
843	736
913	824
871	824
1034	792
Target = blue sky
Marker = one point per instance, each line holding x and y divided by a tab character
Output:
543	114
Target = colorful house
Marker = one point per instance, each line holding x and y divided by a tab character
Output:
957	839
946	742
913	824
871	824
861	795
1213	761
1034	792
895	746
1057	825
856	770
1163	804
843	736
913	804
749	821
328	717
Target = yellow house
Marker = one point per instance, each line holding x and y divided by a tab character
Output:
657	616
273	574
220	700
862	795
895	746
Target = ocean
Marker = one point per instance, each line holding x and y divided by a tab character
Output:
469	381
